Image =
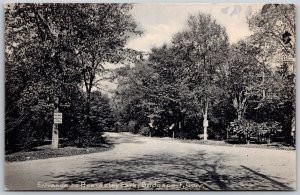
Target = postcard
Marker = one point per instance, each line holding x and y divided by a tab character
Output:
150	96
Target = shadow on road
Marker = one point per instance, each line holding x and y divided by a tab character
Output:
124	138
193	172
282	185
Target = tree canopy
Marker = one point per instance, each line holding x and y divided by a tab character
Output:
197	85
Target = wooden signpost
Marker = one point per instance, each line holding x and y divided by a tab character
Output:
57	119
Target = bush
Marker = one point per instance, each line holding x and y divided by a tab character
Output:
132	127
144	131
247	130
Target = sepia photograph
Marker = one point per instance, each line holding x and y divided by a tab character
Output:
150	97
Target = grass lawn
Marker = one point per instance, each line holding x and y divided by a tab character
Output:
44	152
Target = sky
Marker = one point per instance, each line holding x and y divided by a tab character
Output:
161	21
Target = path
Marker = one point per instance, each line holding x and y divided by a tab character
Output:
158	163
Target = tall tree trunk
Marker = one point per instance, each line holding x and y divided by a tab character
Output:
88	86
239	103
240	114
293	127
88	105
263	83
205	121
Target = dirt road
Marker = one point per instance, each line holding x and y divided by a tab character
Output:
146	163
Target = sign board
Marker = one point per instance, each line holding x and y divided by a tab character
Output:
57	118
205	123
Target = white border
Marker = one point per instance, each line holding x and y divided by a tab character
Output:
132	1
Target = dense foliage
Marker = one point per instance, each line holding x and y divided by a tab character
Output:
244	90
248	130
52	51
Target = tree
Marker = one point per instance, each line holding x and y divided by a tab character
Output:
129	95
39	54
107	28
244	78
177	81
150	89
275	28
101	120
204	47
275	25
44	43
165	91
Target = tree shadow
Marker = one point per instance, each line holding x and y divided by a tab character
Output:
123	139
200	171
282	185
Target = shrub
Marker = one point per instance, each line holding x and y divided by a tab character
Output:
132	126
246	130
145	131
